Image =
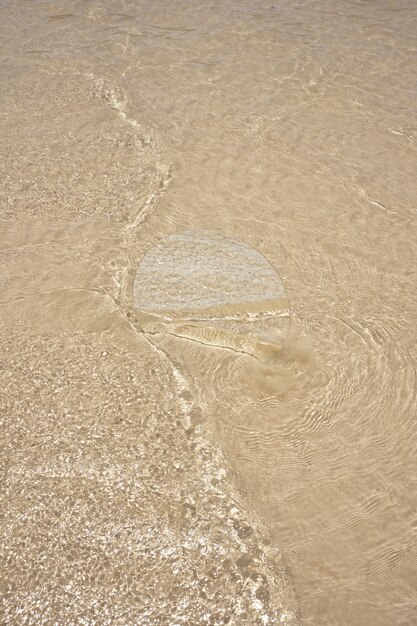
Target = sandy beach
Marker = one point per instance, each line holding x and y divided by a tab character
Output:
208	253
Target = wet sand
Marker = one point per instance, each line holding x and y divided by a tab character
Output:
148	478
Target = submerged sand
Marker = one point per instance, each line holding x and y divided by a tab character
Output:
153	477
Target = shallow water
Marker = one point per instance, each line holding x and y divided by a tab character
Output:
143	472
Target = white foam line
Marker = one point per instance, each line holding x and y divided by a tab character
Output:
382	206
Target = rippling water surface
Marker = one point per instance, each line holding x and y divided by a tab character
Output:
142	471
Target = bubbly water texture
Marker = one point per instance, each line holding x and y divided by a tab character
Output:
152	478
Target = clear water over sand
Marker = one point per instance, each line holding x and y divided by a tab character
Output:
152	479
